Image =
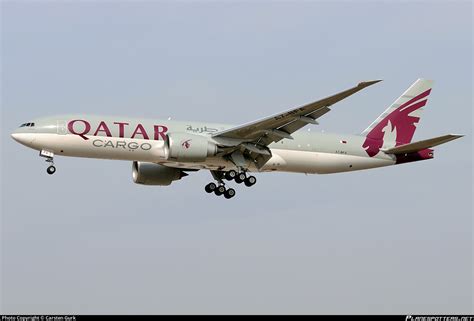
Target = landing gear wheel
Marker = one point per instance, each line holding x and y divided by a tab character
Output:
229	193
210	187
240	178
51	170
220	190
250	181
230	175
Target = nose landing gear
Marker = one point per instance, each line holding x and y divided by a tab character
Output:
51	169
49	159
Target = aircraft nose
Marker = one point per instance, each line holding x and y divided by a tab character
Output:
23	138
16	136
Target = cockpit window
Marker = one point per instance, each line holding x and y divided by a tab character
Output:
27	125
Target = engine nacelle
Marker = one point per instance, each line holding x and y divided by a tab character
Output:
182	147
155	174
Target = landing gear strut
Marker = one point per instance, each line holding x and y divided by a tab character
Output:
49	159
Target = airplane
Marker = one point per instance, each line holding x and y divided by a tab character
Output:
164	151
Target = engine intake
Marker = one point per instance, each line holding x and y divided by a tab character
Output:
183	147
155	174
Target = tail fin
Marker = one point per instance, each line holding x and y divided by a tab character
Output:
396	125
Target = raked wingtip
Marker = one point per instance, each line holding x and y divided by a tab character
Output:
368	83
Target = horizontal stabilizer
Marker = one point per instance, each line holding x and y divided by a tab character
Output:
422	144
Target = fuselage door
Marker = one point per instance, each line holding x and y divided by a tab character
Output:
62	127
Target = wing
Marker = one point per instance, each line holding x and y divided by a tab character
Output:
254	137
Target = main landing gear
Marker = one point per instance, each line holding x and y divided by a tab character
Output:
50	160
240	178
220	188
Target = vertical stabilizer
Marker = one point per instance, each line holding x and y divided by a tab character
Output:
396	125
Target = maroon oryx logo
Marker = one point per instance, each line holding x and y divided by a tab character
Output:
186	144
400	121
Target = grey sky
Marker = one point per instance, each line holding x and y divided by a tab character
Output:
88	240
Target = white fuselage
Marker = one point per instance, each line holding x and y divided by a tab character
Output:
312	153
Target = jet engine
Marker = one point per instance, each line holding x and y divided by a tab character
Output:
155	174
182	147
